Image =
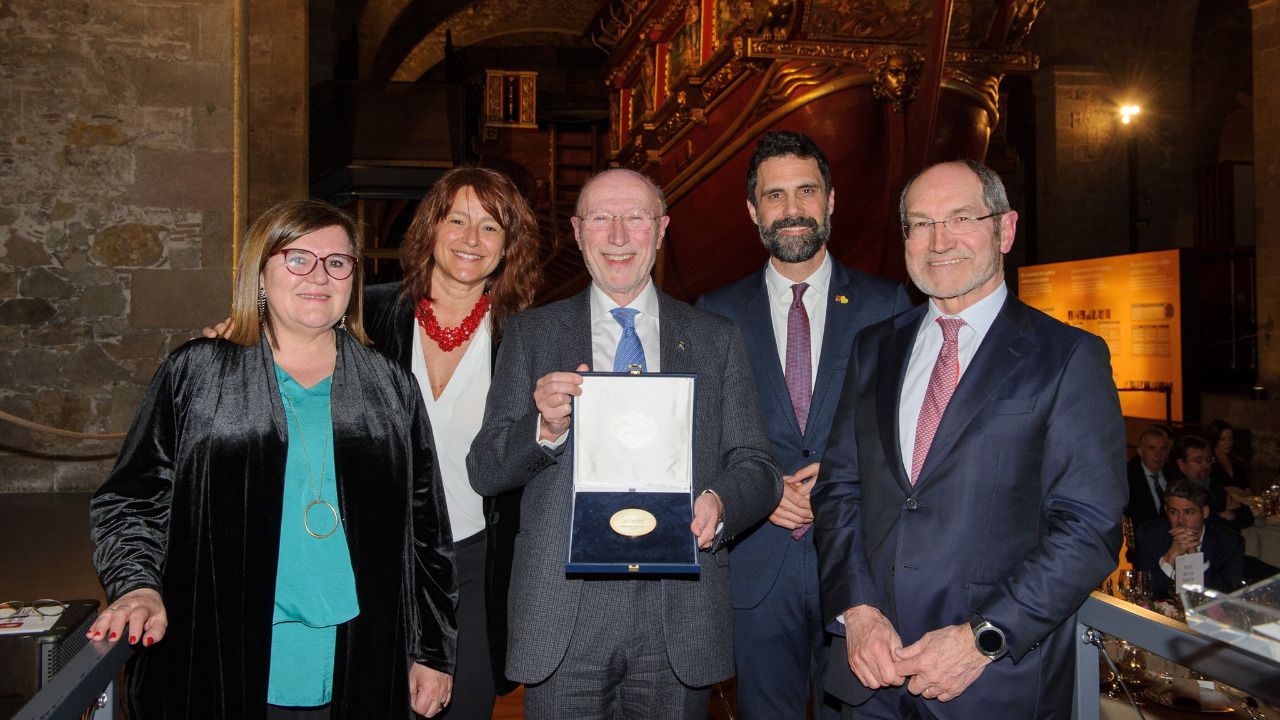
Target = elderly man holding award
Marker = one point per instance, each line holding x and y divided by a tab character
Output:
634	475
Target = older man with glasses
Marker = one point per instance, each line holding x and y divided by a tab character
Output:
971	496
640	647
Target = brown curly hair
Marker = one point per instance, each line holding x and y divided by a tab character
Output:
518	275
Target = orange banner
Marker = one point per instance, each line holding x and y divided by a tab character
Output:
1132	302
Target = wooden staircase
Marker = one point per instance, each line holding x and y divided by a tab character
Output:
575	155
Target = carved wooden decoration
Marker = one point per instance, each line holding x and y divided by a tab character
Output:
897	76
511	98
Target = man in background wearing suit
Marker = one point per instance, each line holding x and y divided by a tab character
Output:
1186	528
1194	459
628	648
971	496
1147	482
798	316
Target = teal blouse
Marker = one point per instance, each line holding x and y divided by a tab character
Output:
315	586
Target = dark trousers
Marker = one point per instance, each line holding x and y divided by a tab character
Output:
891	703
616	667
473	685
781	647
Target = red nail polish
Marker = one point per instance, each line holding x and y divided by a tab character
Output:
148	642
133	639
114	635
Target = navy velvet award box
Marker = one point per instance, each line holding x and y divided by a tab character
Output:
632	455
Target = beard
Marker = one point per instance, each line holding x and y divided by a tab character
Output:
798	248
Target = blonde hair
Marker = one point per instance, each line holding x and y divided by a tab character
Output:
279	226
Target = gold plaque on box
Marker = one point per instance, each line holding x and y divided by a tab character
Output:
633	522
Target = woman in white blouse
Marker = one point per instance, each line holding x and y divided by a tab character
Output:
470	261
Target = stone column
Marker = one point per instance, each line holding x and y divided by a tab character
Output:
1080	175
276	155
1266	173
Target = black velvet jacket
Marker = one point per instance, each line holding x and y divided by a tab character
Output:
389	321
193	509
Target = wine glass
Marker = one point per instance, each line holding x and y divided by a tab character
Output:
1127	589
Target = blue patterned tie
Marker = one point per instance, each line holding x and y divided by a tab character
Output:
630	351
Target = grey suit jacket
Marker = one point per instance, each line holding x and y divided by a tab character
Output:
731	458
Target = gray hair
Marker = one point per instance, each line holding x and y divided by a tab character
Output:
993	194
1189	490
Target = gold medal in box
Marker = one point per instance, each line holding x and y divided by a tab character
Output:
633	522
632	455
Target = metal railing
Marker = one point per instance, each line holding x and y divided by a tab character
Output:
76	688
1170	639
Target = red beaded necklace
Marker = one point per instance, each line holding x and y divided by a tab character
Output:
450	338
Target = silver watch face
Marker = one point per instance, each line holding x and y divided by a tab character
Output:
990	640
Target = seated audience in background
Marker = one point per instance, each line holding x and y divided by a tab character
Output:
1187	528
1195	462
1229	469
1147	481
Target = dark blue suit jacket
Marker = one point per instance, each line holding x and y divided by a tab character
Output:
757	555
1015	516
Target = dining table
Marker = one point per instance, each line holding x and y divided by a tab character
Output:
1262	539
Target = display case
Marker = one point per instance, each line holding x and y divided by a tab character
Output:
633	450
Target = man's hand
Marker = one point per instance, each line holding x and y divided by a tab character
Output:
220	330
794	510
1184	541
429	690
707	512
942	663
553	396
872	644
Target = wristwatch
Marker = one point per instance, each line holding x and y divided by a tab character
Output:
988	638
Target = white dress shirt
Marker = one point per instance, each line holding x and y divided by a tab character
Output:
815	302
606	332
456	417
978	318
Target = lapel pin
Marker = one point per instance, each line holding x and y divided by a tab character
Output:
842	300
679	344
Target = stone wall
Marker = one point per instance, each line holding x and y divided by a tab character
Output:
1266	174
1095	56
115	214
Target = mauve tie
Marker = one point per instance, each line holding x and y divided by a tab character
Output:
799	369
942	383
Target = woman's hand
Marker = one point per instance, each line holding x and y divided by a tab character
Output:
141	610
429	690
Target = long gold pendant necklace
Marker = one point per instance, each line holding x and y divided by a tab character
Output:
306	456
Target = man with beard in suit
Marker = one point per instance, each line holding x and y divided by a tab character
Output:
798	316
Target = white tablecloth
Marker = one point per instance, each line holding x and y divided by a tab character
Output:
1263	543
